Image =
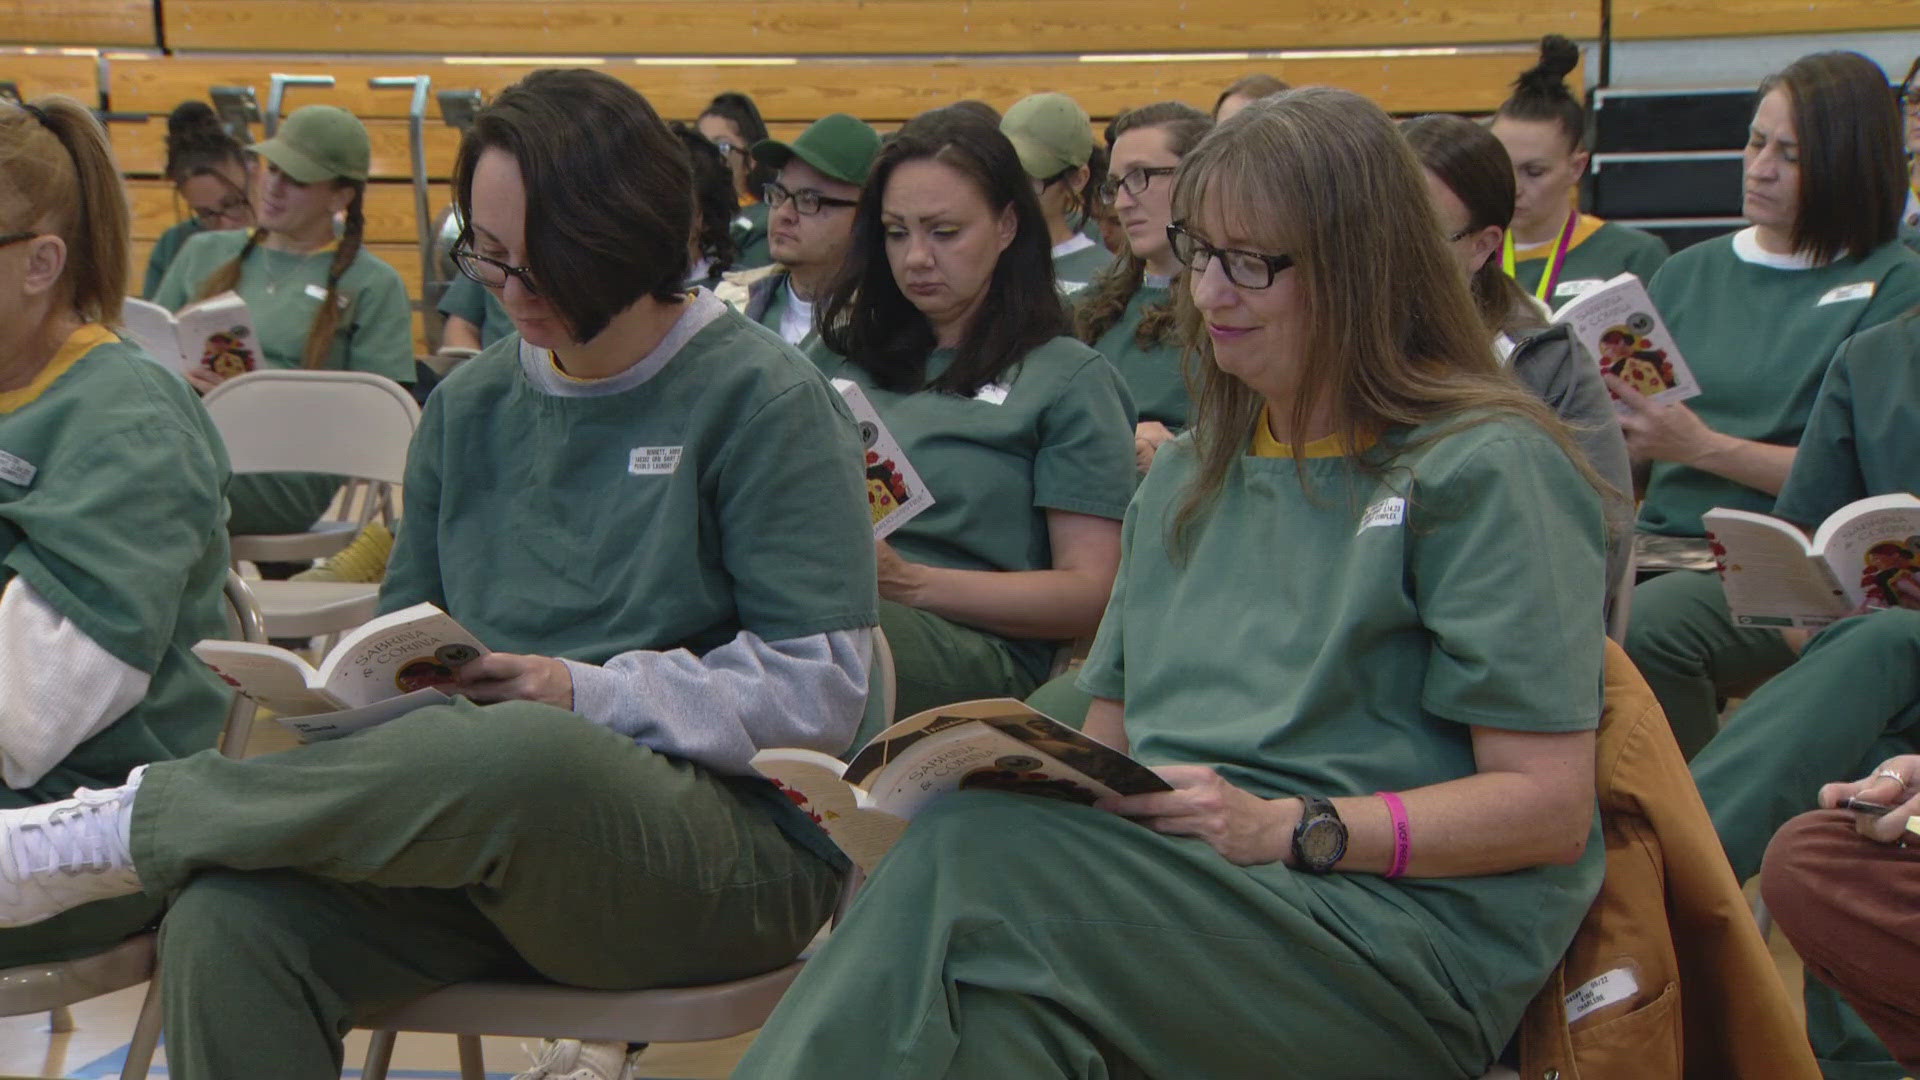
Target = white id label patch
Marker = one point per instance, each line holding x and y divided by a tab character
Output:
1388	511
319	292
1859	290
16	470
994	393
1567	290
1601	991
653	460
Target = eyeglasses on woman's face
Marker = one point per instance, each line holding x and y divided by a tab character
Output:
12	238
232	208
1135	181
806	200
492	272
1245	269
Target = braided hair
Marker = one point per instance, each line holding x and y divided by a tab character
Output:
326	321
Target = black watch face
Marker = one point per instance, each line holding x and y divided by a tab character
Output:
1322	842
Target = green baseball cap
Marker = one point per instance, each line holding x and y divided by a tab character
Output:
1050	132
320	142
839	145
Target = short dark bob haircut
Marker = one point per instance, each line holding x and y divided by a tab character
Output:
866	317
609	192
1853	172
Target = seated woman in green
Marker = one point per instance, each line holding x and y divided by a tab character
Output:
731	121
1471	182
1758	316
210	171
1552	249
1054	138
114	549
1353	629
1127	313
947	318
653	510
317	300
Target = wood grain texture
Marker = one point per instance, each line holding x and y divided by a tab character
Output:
1644	19
38	75
126	23
802	27
389	209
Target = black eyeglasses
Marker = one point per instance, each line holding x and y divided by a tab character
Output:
15	237
1134	181
231	208
806	200
1454	238
1246	269
492	272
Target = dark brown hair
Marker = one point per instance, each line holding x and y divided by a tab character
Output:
1475	167
609	192
1106	299
55	159
1254	86
1540	93
198	144
739	110
866	317
714	202
1853	176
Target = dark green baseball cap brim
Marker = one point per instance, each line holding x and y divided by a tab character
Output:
840	146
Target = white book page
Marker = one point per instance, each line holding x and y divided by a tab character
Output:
398	653
1771	577
152	327
271	676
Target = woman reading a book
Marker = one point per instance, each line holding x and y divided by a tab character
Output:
1470	180
1354	628
652	510
1552	250
948	320
1757	316
115	546
316	300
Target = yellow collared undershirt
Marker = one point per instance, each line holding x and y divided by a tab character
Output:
1265	445
77	345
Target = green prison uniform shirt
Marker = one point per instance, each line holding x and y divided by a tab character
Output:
1076	269
468	299
165	250
1338	637
282	290
1152	372
749	231
1607	252
1055	434
115	514
1758	339
1862	437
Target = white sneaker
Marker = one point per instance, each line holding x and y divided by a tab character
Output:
57	856
571	1059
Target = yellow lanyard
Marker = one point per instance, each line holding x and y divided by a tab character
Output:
1550	275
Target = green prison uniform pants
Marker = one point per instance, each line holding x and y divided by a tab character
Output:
1851	702
83	931
317	885
1685	644
1062	699
1010	937
937	662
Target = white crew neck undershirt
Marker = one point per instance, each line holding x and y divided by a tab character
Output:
1076	242
1746	247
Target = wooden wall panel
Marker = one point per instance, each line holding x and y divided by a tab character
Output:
1642	19
802	27
389	209
78	77
125	23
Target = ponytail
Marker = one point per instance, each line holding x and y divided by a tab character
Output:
326	321
55	155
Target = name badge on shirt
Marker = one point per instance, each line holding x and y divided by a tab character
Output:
653	460
993	393
1601	991
15	470
1388	511
1567	290
319	292
1859	290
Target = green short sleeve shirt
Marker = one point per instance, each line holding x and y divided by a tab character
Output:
1758	338
165	250
1078	267
1342	636
723	493
1152	372
112	495
1610	251
467	299
1864	435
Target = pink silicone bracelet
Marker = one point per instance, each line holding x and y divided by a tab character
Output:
1402	833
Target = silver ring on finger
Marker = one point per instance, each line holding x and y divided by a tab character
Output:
1893	776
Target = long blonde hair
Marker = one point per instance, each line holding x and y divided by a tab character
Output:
326	320
1394	338
55	155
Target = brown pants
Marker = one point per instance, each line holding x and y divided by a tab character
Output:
1851	908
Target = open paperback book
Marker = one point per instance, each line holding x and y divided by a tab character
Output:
1619	326
1775	576
386	668
894	491
994	743
214	335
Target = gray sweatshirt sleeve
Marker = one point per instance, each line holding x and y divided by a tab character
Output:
717	710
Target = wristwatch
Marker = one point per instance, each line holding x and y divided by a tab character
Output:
1321	837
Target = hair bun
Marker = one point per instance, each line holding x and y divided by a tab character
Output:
1558	57
192	121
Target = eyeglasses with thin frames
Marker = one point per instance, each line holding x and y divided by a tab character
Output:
1135	181
806	200
9	239
492	272
231	208
1245	269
